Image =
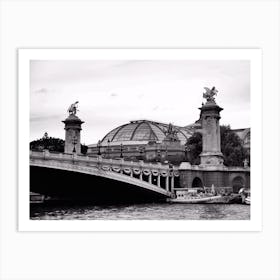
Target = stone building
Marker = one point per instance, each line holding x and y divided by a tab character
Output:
144	140
151	141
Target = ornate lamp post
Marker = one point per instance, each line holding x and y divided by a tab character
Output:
171	174
108	144
158	155
74	142
121	150
187	150
98	147
141	151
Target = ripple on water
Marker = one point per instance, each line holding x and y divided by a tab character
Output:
151	211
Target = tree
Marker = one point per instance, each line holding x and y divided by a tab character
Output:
52	144
231	147
194	148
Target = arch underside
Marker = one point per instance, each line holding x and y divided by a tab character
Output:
91	184
237	183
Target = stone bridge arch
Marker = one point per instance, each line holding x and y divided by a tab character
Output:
237	183
99	172
197	182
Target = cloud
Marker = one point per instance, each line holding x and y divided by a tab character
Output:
41	90
113	92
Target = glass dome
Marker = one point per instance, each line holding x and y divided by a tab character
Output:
144	130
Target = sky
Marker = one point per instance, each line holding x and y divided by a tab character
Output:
115	92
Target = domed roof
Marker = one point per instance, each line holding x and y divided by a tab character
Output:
144	130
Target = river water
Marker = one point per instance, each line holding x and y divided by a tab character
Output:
148	211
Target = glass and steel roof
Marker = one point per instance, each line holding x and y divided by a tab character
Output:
144	130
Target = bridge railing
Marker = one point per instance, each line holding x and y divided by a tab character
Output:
81	158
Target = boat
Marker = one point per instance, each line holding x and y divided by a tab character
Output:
36	198
192	200
247	200
246	195
192	196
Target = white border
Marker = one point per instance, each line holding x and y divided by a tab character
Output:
24	57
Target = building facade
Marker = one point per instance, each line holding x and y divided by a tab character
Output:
152	141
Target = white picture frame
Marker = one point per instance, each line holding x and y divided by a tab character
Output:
25	57
139	255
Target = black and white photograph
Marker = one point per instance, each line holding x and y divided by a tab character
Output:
140	139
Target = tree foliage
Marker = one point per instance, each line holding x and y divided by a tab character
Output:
194	148
231	147
52	144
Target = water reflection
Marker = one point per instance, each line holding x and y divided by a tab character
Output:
150	211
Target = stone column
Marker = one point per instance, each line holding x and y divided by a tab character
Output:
172	183
73	127
167	183
211	137
158	179
150	178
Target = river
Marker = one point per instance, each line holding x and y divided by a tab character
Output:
148	211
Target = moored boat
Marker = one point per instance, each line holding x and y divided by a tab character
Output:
208	199
192	196
247	200
245	195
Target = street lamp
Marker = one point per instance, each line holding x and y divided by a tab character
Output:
121	150
158	155
187	151
171	168
98	147
74	142
141	151
108	144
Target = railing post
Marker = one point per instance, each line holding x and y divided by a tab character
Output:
158	179
150	178
141	175
167	183
172	183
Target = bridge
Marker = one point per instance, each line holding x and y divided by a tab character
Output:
156	180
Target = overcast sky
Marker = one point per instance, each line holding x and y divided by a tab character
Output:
111	93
